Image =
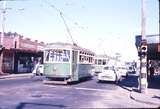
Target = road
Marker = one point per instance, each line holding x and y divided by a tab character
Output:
26	93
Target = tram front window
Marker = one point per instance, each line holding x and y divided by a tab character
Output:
99	62
57	55
104	62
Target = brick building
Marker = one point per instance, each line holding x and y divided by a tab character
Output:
20	53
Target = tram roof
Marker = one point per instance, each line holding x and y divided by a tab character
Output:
102	56
67	45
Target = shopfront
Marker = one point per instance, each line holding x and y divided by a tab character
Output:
20	54
26	60
8	61
26	54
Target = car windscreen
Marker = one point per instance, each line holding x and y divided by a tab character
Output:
108	68
121	67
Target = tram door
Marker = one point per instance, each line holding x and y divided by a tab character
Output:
74	65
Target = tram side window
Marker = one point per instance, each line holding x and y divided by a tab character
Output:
81	58
47	56
96	61
85	58
90	59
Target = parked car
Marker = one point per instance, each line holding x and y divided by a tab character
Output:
123	71
109	74
131	70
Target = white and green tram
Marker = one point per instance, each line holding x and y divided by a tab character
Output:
64	62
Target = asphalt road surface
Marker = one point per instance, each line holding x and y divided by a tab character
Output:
27	93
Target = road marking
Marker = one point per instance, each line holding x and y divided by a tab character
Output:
90	89
80	88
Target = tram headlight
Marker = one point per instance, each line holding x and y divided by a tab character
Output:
54	69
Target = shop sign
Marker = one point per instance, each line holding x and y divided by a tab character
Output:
27	45
41	48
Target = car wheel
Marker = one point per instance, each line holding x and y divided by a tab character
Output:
127	75
116	81
99	81
41	74
120	79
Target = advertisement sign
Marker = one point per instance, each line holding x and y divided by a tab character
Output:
58	55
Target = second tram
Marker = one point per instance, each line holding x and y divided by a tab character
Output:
100	62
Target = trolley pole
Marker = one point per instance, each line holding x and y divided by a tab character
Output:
3	11
143	49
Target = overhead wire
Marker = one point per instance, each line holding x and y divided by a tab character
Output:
68	18
62	15
65	17
64	21
15	0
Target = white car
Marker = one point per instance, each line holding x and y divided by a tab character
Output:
122	70
109	74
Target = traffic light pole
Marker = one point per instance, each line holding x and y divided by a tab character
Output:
143	57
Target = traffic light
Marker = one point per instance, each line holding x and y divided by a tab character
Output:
143	50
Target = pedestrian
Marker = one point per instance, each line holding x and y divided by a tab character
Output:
36	70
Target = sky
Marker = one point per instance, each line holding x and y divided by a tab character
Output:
103	26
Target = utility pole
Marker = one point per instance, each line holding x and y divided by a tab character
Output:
3	12
2	35
143	51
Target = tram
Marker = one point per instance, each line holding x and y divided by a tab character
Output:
64	63
100	62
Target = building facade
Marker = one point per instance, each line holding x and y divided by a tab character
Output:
20	54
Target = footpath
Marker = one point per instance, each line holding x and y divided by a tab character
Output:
14	76
152	95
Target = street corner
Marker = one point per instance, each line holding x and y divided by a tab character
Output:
149	98
120	93
123	90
